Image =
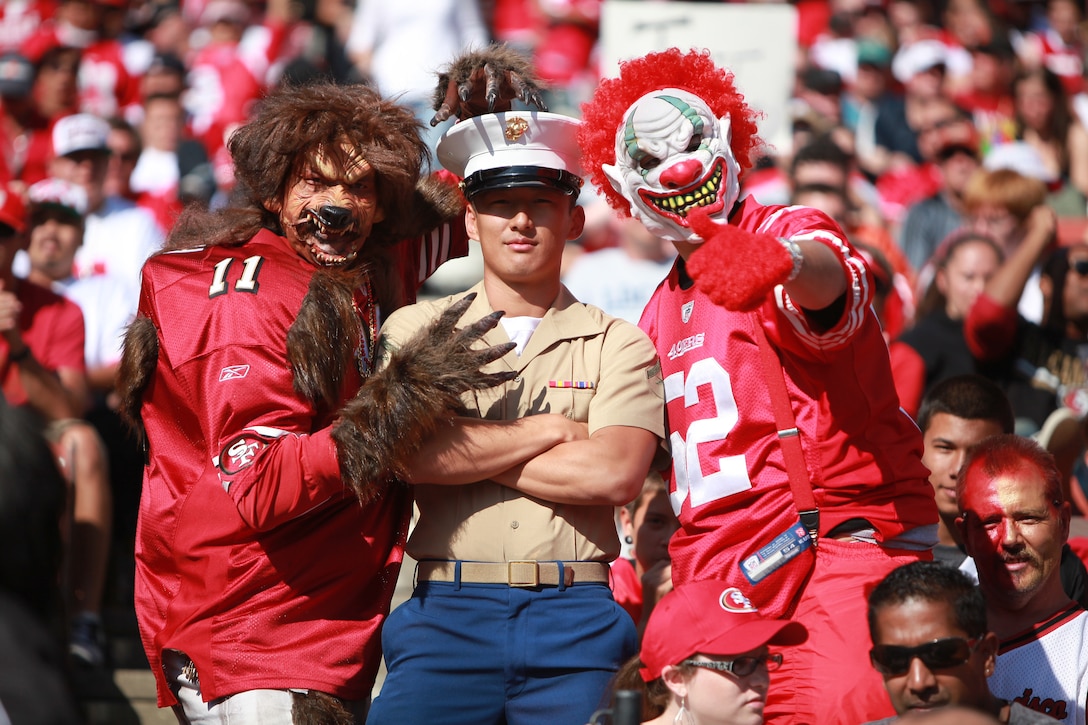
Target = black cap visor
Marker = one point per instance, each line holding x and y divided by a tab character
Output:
509	177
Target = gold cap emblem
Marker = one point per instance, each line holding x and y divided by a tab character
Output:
516	128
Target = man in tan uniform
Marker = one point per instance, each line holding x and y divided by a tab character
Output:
512	619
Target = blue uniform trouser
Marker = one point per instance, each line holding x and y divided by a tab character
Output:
490	653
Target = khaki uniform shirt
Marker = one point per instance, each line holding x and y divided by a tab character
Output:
574	343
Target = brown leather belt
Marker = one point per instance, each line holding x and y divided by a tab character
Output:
514	573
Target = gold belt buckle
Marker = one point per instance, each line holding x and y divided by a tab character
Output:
522	573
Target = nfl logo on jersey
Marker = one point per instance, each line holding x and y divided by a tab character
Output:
685	311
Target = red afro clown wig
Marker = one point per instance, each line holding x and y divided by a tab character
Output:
694	72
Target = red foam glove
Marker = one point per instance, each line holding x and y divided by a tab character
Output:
734	267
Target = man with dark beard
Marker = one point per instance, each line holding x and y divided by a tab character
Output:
271	533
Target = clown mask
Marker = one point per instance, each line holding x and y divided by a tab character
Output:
673	155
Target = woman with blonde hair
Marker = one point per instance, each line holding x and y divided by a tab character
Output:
704	658
999	203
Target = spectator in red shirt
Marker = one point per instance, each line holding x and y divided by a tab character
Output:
43	369
1059	46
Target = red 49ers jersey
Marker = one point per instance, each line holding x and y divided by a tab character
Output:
729	485
251	556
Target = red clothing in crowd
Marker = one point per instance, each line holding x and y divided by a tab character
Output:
226	79
52	327
1064	59
20	20
627	587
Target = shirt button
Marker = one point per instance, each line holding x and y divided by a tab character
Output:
517	379
514	524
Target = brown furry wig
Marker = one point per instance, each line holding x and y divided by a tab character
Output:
295	124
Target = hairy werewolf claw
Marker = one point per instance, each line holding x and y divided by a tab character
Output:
485	81
399	406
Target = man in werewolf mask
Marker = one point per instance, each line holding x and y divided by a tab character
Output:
271	531
785	426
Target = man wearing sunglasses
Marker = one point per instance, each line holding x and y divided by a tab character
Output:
1014	521
932	646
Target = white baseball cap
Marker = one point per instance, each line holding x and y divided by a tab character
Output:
59	194
514	148
80	132
1021	157
918	57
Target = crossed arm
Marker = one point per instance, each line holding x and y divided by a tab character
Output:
547	456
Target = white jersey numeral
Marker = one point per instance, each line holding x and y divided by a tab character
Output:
732	474
246	283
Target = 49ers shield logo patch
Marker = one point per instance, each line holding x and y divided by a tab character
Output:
239	453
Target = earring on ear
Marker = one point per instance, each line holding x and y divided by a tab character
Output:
683	716
629	539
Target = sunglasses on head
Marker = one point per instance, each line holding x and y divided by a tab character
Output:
1080	266
741	666
940	654
947	152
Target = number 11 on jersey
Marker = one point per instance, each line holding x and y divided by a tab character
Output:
251	266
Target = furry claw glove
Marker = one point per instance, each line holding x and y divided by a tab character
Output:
736	268
399	406
485	81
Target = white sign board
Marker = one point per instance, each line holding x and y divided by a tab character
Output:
757	42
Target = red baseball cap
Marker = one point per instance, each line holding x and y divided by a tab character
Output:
711	618
12	208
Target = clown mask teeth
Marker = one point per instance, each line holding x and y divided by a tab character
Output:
678	204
